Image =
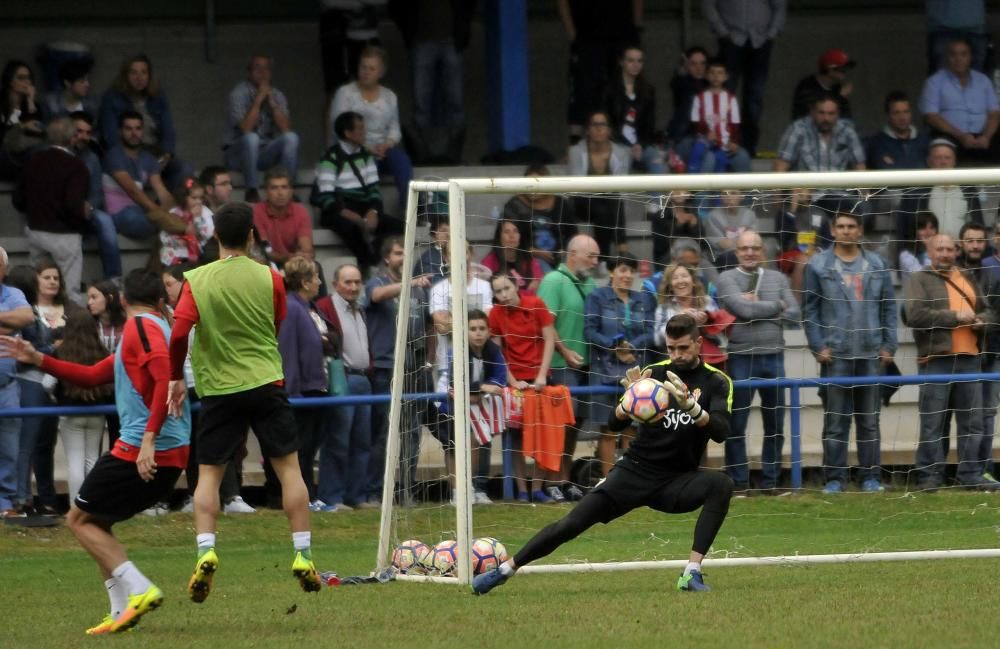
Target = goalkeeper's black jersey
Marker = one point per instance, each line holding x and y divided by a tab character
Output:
675	444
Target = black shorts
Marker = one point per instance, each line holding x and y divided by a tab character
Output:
224	420
113	490
671	493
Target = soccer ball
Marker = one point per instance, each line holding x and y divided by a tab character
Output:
444	557
487	554
411	556
646	401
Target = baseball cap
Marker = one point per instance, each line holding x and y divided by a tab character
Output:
835	58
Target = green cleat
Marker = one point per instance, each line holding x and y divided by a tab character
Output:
201	581
305	572
138	605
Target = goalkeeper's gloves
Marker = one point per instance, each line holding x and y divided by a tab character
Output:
683	396
634	374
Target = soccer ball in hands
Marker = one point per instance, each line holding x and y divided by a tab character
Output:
444	557
411	556
487	554
646	401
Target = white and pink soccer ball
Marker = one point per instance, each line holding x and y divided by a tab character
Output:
646	401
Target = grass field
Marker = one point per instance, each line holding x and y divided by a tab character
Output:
50	591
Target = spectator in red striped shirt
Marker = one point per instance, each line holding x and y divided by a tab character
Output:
715	116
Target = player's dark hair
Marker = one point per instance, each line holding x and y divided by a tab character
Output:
25	278
389	243
681	325
695	49
127	115
82	344
927	218
48	263
177	270
523	260
72	70
822	98
82	115
502	274
537	169
717	63
233	223
971	226
144	287
436	221
208	175
478	314
113	303
623	259
848	215
345	122
893	97
277	173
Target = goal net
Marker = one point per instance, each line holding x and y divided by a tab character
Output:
845	400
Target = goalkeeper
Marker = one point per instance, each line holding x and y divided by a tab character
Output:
660	469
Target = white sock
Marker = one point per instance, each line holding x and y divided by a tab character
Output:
692	566
505	569
118	594
206	541
133	580
301	541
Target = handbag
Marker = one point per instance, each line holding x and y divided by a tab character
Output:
338	378
718	322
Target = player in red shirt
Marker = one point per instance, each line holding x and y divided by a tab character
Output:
146	460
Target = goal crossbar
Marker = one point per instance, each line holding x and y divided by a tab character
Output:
698	182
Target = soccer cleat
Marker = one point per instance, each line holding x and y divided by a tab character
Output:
138	605
102	628
480	498
833	487
305	572
200	584
572	493
692	582
487	581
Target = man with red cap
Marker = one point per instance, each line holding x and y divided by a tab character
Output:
830	78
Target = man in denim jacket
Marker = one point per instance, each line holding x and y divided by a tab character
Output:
849	314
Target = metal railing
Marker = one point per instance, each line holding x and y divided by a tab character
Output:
794	385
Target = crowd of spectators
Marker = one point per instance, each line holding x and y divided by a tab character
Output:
108	166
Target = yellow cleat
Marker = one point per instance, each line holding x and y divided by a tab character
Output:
103	627
305	572
201	581
138	605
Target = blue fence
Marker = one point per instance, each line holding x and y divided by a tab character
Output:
794	385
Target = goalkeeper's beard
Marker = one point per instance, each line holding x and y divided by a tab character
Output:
686	364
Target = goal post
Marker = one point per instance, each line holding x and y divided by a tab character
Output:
639	187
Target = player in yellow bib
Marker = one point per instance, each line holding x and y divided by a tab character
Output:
238	305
